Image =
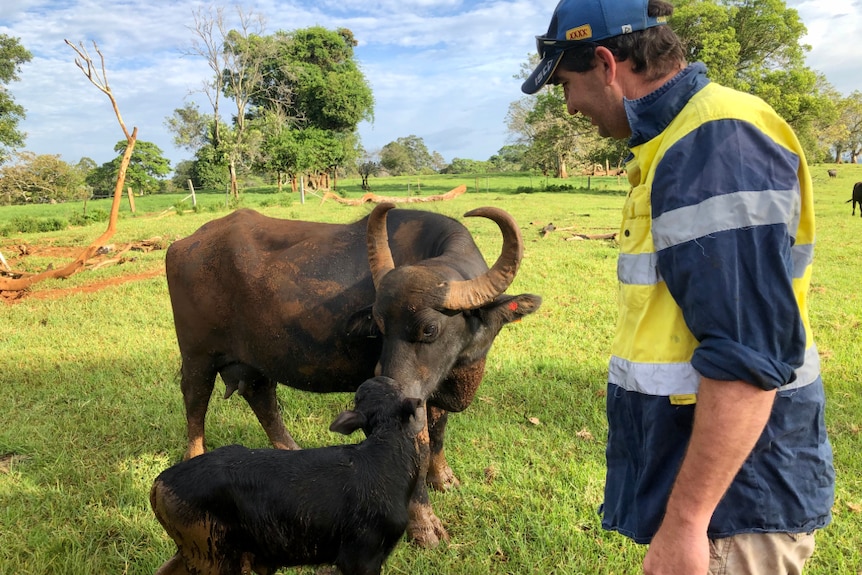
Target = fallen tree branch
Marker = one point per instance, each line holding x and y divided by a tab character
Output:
374	198
610	236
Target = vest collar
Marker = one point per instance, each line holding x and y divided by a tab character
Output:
650	115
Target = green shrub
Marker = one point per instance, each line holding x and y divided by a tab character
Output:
181	206
28	225
559	188
92	216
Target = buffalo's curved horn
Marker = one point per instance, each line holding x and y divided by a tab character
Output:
476	292
379	254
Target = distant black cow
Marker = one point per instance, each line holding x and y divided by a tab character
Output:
857	198
832	173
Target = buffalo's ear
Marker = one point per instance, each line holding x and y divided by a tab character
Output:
506	309
362	324
347	422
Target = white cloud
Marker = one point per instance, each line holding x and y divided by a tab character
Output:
442	70
833	30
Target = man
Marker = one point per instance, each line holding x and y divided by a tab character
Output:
717	452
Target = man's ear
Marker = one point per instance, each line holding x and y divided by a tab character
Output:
606	59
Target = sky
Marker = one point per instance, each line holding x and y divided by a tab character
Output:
443	70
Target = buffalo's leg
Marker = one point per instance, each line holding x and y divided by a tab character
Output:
440	476
197	382
260	395
423	527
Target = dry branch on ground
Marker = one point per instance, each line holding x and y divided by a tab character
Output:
374	198
547	229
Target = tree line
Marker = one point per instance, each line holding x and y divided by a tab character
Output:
294	100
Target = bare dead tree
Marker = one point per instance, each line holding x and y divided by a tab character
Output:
237	67
98	76
208	44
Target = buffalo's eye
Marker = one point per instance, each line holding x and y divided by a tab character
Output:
429	331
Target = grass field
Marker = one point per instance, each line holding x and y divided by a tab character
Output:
92	411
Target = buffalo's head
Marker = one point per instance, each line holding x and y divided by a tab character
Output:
434	317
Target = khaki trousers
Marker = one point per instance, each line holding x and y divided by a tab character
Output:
760	554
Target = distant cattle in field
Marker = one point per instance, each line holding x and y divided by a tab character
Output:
832	173
857	198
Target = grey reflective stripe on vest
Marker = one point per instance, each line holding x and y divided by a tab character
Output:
638	269
665	379
802	256
726	212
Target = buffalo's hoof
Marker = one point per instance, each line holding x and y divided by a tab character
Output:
442	479
426	530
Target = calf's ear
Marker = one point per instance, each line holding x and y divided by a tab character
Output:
347	422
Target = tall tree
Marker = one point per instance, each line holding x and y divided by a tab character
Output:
556	140
147	167
235	57
756	46
311	75
12	56
849	121
34	178
190	127
407	155
368	165
311	82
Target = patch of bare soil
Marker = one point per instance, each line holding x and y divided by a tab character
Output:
17	255
8	459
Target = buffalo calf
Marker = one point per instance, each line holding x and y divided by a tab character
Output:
237	510
856	198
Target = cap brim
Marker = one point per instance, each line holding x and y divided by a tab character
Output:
543	72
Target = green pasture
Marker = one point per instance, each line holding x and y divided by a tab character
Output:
91	409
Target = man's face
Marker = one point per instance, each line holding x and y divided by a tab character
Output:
593	95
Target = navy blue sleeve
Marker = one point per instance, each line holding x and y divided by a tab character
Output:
725	208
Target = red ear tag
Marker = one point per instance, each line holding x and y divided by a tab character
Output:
513	305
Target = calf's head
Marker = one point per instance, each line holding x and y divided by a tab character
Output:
378	405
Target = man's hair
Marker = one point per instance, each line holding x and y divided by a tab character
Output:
654	52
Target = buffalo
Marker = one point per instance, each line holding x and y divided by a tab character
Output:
856	198
321	307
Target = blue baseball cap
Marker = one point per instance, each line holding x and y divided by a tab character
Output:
577	22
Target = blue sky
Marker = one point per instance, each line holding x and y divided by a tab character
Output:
443	70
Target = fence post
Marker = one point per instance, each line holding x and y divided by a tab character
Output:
131	198
192	190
